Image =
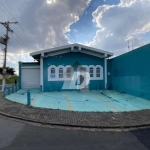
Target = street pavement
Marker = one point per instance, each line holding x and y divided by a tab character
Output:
17	135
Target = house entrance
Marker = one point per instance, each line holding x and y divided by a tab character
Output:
82	77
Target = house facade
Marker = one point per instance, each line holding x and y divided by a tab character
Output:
63	68
70	67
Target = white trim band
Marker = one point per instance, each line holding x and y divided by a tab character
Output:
55	75
30	67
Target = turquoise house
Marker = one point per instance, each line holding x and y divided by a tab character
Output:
70	67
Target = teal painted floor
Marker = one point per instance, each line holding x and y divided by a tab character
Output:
90	101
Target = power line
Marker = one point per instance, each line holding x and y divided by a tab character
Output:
25	36
9	13
18	23
2	18
19	41
1	45
7	9
11	57
5	42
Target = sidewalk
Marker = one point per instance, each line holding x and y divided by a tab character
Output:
77	119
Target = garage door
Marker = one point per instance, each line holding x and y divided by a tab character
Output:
30	78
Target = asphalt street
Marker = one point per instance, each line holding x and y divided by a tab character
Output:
16	135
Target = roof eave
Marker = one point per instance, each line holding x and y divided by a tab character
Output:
42	52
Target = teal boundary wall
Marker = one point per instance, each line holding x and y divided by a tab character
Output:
130	72
73	59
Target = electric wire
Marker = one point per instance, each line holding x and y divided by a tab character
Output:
2	18
6	9
19	41
1	45
11	57
26	36
18	24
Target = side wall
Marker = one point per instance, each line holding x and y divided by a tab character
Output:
74	59
131	72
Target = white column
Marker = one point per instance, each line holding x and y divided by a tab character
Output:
41	72
105	73
3	83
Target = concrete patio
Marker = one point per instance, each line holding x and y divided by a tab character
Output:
89	101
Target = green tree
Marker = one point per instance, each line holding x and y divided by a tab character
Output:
10	71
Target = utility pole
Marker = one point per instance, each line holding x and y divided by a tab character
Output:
5	42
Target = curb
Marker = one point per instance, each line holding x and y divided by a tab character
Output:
71	125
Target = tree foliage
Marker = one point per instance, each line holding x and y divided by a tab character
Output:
10	71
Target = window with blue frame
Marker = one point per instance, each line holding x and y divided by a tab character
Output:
68	72
61	72
53	73
91	72
98	72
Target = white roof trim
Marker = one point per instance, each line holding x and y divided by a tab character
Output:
71	49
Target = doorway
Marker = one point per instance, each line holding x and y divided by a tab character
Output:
82	77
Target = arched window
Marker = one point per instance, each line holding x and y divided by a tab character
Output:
91	72
68	72
60	72
52	73
98	72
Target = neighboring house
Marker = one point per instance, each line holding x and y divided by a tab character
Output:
62	68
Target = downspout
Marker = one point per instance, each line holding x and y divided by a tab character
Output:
41	74
20	64
105	60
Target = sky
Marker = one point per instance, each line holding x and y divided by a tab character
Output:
109	25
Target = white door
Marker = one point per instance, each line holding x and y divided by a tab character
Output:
82	79
30	78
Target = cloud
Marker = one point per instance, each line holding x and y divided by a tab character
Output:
119	22
44	23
